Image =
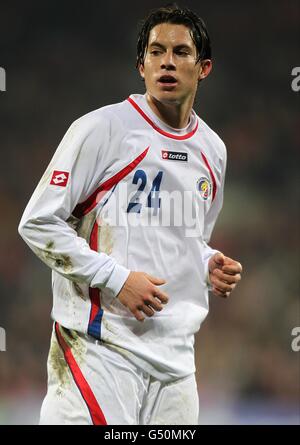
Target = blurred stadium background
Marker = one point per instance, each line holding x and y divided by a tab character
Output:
64	59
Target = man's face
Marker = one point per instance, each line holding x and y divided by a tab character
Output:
170	70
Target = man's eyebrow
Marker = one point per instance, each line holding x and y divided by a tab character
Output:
157	44
183	46
180	46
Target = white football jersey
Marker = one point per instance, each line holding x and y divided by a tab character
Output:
125	192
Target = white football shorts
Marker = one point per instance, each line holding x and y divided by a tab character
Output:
92	384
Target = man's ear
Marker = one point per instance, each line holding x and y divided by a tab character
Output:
205	68
142	70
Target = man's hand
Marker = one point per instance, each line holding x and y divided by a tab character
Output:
141	296
224	274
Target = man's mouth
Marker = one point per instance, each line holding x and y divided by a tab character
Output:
167	80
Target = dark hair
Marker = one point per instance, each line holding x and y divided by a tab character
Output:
179	16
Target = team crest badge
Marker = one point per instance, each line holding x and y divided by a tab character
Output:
204	188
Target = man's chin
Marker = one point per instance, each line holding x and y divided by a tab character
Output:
167	97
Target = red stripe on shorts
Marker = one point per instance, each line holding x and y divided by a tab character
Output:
96	413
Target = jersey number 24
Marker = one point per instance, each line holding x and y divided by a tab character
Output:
153	199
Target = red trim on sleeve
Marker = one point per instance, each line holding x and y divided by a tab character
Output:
214	182
96	412
91	202
156	128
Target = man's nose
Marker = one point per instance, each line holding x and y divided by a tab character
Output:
167	61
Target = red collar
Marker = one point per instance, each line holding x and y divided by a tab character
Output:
159	130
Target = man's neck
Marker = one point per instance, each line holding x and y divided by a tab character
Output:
173	114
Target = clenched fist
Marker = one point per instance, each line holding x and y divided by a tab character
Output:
224	274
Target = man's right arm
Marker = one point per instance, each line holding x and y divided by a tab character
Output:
43	225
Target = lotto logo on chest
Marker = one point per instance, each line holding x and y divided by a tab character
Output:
174	156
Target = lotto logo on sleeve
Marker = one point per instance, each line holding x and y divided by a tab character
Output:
59	178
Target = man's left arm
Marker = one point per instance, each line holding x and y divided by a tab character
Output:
223	273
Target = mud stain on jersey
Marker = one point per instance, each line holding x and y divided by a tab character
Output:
73	222
79	291
85	225
57	362
50	245
105	237
64	262
109	328
59	367
58	260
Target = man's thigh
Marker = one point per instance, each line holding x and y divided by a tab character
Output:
89	384
173	403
